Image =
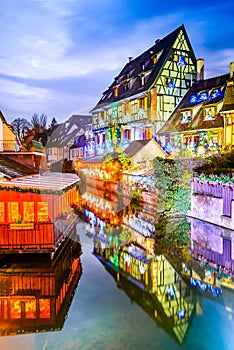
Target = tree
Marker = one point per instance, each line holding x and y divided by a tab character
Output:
166	177
38	123
20	127
53	123
43	121
35	122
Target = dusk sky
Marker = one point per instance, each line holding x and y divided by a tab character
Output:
59	56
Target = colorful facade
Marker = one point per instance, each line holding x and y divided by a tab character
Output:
202	123
143	95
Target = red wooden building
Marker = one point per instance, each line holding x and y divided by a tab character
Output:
35	212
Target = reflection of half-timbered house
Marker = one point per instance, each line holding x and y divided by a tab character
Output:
35	297
145	92
154	284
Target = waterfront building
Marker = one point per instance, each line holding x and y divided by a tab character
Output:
73	131
145	92
35	211
8	140
202	122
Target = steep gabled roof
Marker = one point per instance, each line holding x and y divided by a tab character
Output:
212	90
133	69
135	146
65	132
11	169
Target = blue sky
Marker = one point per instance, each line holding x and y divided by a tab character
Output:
58	56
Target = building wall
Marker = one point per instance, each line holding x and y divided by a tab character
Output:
210	209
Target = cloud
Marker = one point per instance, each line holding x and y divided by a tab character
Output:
57	57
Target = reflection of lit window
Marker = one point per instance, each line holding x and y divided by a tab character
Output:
44	305
15	309
2	212
13	211
30	308
28	211
42	212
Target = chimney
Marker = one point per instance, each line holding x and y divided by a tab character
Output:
232	69
157	41
200	69
130	59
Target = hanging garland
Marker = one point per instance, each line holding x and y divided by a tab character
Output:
37	191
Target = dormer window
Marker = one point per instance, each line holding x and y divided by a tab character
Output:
209	113
127	75
116	91
126	87
142	66
186	117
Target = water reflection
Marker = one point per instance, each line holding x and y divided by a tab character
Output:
152	282
35	294
167	266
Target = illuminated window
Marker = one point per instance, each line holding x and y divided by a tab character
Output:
127	134
13	211
2	212
28	211
148	133
186	117
42	211
209	113
44	306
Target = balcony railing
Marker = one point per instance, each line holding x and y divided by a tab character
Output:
9	145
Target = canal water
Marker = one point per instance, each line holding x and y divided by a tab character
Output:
93	305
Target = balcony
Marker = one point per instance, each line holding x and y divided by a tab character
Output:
9	146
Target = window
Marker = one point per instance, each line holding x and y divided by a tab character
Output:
13	211
127	134
134	106
42	211
28	211
2	212
126	87
186	117
148	133
209	113
44	306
